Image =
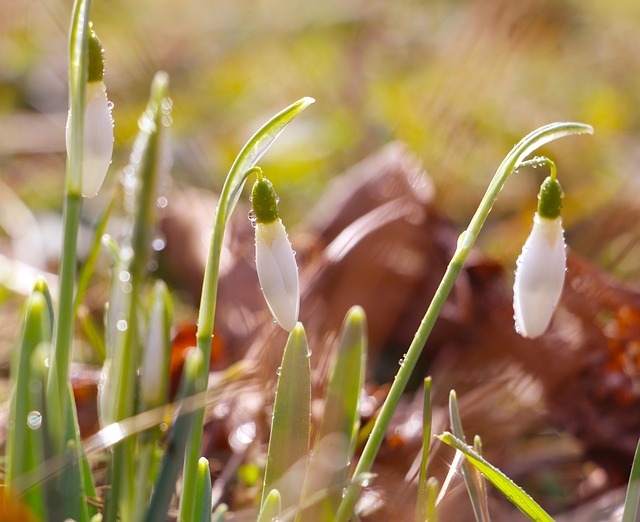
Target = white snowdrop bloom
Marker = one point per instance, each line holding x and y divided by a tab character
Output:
154	375
278	272
275	259
540	272
97	139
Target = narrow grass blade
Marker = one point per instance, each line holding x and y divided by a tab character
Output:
219	513
423	489
470	474
431	510
507	487
203	492
335	442
92	257
271	507
172	461
632	499
289	442
25	444
481	483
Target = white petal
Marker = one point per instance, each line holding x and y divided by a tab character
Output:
98	138
539	277
278	273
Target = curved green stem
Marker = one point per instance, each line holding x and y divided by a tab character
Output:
539	161
242	167
511	162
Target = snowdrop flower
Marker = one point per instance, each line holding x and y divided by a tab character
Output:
275	259
154	372
98	123
541	266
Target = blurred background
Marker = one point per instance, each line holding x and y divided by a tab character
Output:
458	81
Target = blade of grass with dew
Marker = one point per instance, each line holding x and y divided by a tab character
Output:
423	491
174	455
335	442
526	146
252	151
632	498
271	507
431	509
140	190
25	444
481	483
469	474
289	441
505	485
154	389
203	492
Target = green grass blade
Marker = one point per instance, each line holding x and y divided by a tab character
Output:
423	488
220	513
505	485
271	507
335	442
632	499
289	442
431	510
25	445
468	473
172	461
203	492
92	257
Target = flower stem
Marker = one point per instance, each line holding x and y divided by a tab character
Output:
511	162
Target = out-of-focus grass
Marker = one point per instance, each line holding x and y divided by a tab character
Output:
458	81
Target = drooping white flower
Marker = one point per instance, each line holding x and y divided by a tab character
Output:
97	147
275	259
540	272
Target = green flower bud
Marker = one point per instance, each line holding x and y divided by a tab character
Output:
550	199
264	201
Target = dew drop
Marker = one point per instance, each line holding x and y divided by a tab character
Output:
124	276
252	218
279	370
122	325
34	420
162	202
158	244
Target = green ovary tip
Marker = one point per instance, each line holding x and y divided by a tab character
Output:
264	201
550	199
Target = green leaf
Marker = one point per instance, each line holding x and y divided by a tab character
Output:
180	432
507	487
203	492
25	444
471	476
289	442
423	484
335	443
271	508
632	499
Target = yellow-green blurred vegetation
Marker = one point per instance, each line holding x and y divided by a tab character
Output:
459	81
